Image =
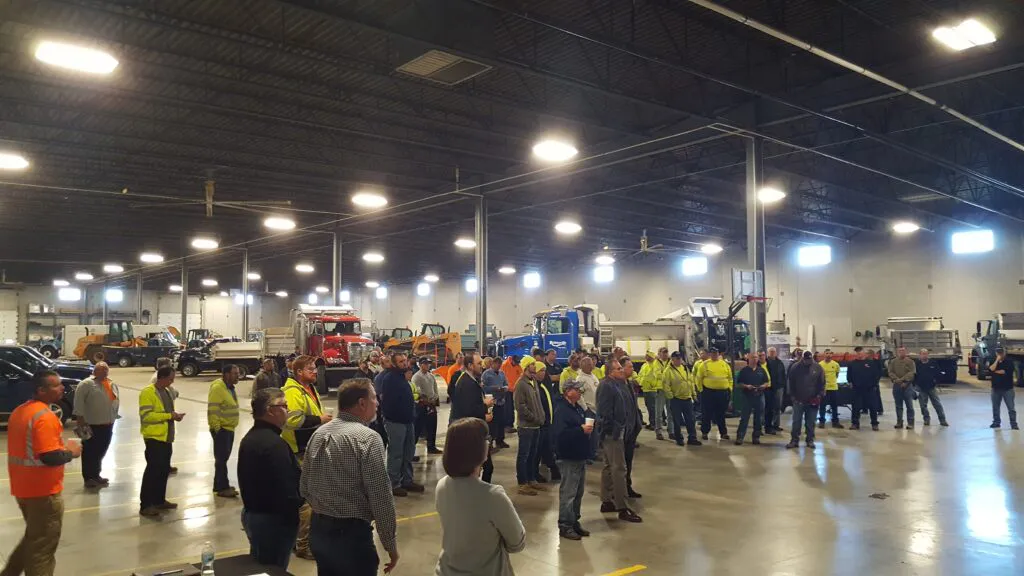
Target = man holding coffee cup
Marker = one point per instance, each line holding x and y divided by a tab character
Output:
571	431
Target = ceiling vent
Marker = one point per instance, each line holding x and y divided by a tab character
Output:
443	68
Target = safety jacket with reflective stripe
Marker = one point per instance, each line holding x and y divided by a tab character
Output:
717	375
222	407
698	374
678	382
301	404
33	429
153	416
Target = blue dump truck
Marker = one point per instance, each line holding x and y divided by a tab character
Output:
565	330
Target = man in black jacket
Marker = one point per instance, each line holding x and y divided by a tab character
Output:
469	401
926	378
399	410
571	432
268	477
773	395
617	425
863	375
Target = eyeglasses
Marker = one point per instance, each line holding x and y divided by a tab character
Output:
278	405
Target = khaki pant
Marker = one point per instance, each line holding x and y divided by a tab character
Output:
34	555
302	538
613	475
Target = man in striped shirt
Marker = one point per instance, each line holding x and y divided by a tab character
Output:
345	482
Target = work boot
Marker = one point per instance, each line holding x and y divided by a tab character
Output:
821	424
414	487
629	516
704	436
854	426
898	426
92	483
792	444
579	530
607	507
874	427
633	494
996	425
659	436
150	511
738	442
725	436
436	451
810	444
694	442
943	423
1014	426
527	490
910	425
756	441
167	505
569	534
838	426
228	493
399	491
538	487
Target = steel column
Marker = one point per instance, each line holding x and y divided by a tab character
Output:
245	294
104	297
481	274
184	300
336	270
755	237
138	298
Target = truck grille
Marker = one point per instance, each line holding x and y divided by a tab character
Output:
358	352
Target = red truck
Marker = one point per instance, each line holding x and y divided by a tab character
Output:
331	333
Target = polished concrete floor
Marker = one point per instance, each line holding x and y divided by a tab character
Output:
954	504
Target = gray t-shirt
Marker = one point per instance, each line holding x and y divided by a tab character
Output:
480	528
168	400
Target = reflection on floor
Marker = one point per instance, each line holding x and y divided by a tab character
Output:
955	496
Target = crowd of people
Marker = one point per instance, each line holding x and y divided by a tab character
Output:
315	484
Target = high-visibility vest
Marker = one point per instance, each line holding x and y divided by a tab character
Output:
698	374
302	402
153	416
222	407
717	375
33	429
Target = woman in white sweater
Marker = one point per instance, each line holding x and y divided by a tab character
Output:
480	526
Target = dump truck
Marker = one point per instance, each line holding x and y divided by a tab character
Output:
333	334
1005	330
217	353
434	341
925	332
707	327
565	330
471	343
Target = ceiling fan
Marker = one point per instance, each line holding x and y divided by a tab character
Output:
207	200
646	249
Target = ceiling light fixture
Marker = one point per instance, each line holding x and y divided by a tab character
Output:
967	34
174	288
373	257
113	268
279	223
204	243
253	276
83	276
769	195
304	268
905	227
79	58
604	260
506	270
11	161
322	289
61	283
550	150
281	294
209	282
151	258
369	200
711	248
372	284
465	243
568	227
224	293
344	295
431	278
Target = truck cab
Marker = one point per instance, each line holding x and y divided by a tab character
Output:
556	329
1005	330
334	335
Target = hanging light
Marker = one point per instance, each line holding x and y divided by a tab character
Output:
604	260
568	227
769	195
11	161
322	289
369	200
174	288
113	268
151	258
281	294
431	278
551	150
204	243
711	248
905	227
372	284
506	270
373	257
83	276
209	282
305	268
465	243
61	283
253	276
78	58
279	223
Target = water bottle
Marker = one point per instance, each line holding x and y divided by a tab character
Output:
207	560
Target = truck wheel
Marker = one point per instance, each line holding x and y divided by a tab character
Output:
243	371
48	351
95	354
189	369
125	361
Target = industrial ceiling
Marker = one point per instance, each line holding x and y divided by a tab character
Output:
222	113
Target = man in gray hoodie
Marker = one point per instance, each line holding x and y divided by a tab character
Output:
806	389
902	370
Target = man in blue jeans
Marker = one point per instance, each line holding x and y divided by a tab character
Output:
399	410
268	476
926	378
1002	389
752	382
571	431
806	388
531	416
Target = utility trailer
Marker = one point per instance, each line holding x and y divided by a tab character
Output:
926	332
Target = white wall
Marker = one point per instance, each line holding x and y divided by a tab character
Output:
866	283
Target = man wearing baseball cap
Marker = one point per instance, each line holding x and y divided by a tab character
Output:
571	432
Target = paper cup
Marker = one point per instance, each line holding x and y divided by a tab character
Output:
588	421
488	396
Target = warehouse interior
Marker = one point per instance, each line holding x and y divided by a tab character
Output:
226	165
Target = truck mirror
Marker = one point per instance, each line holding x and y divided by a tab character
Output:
977	330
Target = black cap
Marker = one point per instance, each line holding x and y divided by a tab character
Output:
676	355
808	354
1000	349
424	360
713	350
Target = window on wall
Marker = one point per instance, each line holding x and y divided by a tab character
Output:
423	289
69	294
604	274
381	292
472	285
531	280
114	295
695	266
973	242
815	255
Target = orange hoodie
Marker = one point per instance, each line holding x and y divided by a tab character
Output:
512	373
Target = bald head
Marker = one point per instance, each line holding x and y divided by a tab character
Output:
101	370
